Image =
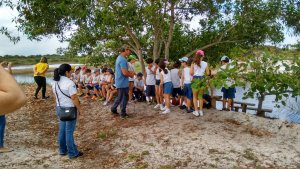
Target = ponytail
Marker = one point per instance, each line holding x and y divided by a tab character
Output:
61	71
163	66
56	75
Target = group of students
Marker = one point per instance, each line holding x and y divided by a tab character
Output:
159	85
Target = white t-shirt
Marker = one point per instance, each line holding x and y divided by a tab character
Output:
96	79
68	87
150	80
139	83
88	79
229	82
166	77
200	71
187	75
131	68
175	78
157	75
82	76
75	77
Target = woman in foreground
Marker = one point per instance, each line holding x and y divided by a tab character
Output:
65	93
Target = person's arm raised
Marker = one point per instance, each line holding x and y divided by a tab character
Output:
12	96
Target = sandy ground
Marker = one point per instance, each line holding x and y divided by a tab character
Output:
149	139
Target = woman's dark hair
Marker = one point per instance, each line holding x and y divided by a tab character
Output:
61	71
88	70
163	66
149	60
104	70
177	64
189	62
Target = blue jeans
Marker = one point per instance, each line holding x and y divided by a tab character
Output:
121	100
66	137
2	129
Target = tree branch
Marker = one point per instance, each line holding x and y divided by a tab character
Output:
212	44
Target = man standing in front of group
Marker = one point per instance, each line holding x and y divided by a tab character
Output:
122	81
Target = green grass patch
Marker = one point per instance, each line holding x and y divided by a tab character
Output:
104	135
248	154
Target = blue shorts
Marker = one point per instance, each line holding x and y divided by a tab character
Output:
168	87
150	90
97	87
157	82
187	91
177	92
228	93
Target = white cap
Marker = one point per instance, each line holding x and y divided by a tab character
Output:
184	59
225	58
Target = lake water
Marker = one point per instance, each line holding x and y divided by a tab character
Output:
284	112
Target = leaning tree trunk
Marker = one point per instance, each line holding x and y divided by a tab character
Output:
261	99
171	31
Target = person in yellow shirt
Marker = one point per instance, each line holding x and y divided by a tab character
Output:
40	70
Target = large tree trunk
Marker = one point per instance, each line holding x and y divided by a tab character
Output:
261	99
171	31
156	43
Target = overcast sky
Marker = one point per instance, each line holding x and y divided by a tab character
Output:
49	45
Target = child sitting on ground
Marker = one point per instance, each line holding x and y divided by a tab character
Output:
81	83
111	89
139	88
95	84
75	77
88	82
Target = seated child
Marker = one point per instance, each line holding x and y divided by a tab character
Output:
139	88
88	82
95	84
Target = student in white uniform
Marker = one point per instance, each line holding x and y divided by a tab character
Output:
65	91
158	90
177	89
166	83
131	60
199	69
150	80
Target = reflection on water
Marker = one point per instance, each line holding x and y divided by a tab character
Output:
283	113
25	78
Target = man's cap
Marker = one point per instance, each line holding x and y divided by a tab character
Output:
225	58
184	59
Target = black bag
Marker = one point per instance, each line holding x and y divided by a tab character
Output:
66	113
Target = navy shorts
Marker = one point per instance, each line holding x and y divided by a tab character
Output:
187	91
168	87
228	93
157	82
198	77
88	86
97	87
177	92
150	90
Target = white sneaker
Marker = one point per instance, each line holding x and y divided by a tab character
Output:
162	108
196	113
105	103
166	111
157	106
201	112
